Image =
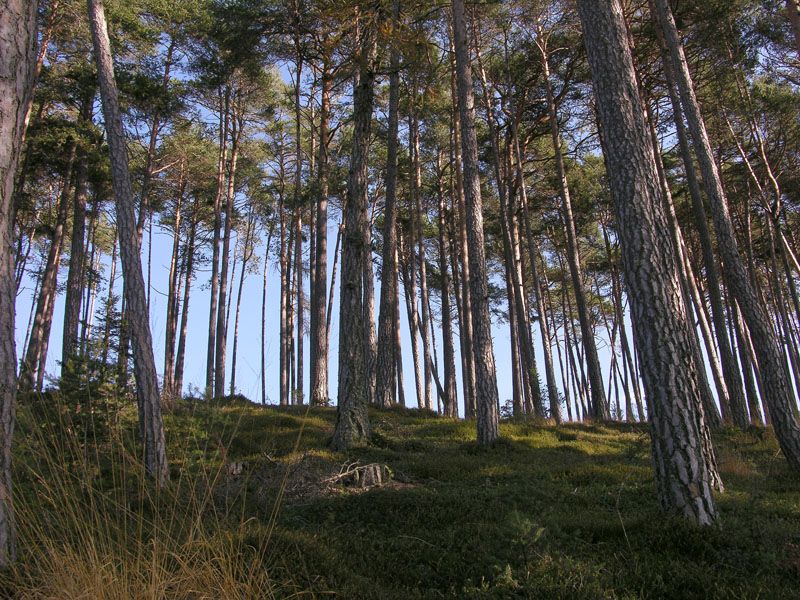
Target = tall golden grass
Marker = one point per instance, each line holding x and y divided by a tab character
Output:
91	524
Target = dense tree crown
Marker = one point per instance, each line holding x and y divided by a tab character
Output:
545	210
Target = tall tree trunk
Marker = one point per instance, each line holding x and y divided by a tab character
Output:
465	317
221	338
398	356
385	369
283	258
181	351
17	76
155	453
683	456
352	422
778	389
730	394
297	394
173	294
224	104
418	258
31	371
410	289
77	255
450	399
319	338
485	375
247	254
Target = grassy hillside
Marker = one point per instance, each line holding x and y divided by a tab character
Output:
260	507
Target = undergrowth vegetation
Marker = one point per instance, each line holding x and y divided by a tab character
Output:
260	507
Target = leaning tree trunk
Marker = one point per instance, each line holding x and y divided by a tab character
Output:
778	393
730	389
684	476
144	364
17	63
486	396
352	422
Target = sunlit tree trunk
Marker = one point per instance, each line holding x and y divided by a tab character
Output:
318	316
224	103
683	457
221	337
485	376
152	427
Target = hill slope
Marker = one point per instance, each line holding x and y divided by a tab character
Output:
260	507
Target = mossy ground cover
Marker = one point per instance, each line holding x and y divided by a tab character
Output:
544	512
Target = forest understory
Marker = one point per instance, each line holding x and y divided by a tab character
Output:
260	507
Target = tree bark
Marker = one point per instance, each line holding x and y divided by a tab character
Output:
319	338
485	376
386	368
152	427
352	423
77	263
224	102
682	456
17	74
221	337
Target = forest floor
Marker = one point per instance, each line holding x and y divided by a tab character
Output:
260	507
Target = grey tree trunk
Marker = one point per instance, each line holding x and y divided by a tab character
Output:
465	318
152	427
684	478
319	338
247	254
486	396
352	423
17	74
386	368
221	337
224	98
778	393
